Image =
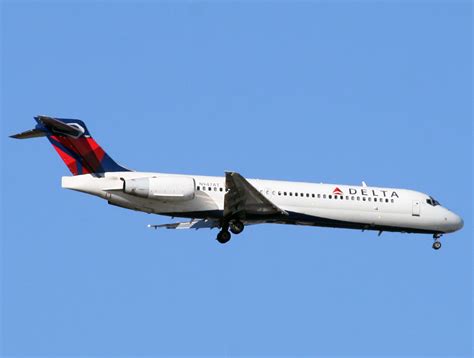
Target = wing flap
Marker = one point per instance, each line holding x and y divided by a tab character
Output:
194	224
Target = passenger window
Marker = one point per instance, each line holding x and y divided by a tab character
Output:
210	188
352	197
375	199
369	198
215	188
197	188
358	198
386	200
319	196
330	196
291	194
221	189
324	196
279	193
296	194
363	198
307	195
347	197
341	197
312	195
284	193
392	200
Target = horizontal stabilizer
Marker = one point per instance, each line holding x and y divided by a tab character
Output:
48	125
32	133
59	127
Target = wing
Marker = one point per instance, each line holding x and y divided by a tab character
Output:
243	199
194	224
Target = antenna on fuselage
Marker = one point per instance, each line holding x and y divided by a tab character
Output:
363	184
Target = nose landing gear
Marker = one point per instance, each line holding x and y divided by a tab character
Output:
436	244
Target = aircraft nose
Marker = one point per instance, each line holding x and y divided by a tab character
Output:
455	222
458	222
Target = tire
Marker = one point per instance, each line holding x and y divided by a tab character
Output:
436	245
223	237
236	227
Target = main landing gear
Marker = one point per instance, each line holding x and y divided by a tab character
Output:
436	244
223	236
236	227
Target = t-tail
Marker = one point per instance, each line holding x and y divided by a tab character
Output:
74	144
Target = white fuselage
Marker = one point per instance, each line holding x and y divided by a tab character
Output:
331	205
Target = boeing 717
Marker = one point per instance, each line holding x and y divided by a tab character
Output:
232	202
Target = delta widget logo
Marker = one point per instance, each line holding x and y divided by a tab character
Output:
337	191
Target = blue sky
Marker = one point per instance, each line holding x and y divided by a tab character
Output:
335	92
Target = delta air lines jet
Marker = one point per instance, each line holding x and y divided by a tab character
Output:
232	202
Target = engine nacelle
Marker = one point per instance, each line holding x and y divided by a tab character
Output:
161	188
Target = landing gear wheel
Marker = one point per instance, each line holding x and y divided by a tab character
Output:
436	245
223	236
236	227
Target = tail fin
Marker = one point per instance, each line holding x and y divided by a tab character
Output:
71	139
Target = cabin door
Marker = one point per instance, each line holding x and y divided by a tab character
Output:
416	208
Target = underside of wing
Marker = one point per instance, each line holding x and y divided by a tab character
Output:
194	224
243	200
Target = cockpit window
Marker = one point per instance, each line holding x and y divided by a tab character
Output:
432	201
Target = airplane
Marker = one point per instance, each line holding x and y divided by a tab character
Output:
232	202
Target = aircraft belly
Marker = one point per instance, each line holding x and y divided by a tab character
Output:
377	220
